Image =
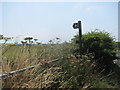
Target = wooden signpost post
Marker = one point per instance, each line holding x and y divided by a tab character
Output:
78	26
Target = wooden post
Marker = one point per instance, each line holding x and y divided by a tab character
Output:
80	37
79	26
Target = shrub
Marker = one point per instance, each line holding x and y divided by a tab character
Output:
118	45
99	43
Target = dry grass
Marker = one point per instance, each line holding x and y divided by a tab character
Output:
17	58
66	73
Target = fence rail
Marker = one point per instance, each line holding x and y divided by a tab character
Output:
2	76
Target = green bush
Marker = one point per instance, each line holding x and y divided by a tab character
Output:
118	45
100	44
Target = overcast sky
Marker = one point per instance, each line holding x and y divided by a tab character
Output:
47	20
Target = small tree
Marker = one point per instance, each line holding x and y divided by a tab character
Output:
35	40
57	40
28	38
6	39
50	42
38	43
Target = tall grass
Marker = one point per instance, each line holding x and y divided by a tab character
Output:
67	73
18	57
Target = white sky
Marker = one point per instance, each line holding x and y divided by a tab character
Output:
47	20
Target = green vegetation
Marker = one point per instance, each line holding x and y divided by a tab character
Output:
118	45
69	72
101	45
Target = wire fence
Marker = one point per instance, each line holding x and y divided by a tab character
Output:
4	76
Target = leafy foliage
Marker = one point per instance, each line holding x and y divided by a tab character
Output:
118	45
99	43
